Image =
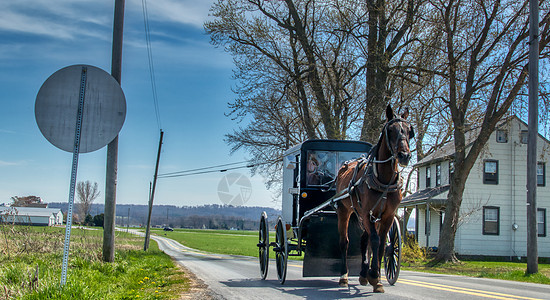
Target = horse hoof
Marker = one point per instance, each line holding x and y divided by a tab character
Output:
374	281
362	280
378	288
343	282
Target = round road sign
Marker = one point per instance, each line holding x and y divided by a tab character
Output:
57	105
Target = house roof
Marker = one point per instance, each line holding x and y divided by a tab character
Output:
448	150
30	211
425	195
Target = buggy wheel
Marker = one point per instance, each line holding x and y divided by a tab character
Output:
281	250
392	255
263	245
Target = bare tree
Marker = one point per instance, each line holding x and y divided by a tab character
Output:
305	69
387	37
485	48
87	193
289	56
26	201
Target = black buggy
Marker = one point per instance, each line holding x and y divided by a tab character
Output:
308	224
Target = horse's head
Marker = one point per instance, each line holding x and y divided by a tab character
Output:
398	132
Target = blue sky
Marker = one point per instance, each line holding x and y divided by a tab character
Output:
193	81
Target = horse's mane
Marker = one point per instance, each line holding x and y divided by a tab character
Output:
374	150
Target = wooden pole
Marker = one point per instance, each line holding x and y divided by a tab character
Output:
112	148
152	196
532	251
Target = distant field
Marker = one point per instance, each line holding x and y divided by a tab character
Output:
234	242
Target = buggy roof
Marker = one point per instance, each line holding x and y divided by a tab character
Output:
330	145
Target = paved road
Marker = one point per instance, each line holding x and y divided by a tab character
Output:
237	277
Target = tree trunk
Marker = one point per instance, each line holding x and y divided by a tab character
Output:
450	223
323	105
375	100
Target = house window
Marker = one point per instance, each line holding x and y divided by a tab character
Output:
438	175
428	176
418	179
524	136
490	172
502	136
451	170
441	219
541	174
427	223
491	220
541	221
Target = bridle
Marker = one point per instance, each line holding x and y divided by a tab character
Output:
370	177
393	152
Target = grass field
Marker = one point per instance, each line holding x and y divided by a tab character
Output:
234	242
244	243
31	259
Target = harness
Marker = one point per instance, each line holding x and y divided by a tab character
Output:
370	176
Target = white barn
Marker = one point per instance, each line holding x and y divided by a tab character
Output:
493	211
36	216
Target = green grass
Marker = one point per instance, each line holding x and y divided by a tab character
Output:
415	259
233	242
31	259
485	269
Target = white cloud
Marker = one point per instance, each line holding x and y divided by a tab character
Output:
69	19
63	19
16	22
192	12
11	163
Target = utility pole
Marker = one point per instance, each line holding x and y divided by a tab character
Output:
532	247
128	221
112	148
152	196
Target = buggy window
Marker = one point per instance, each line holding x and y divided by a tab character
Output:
322	166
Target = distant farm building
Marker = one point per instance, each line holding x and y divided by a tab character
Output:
36	216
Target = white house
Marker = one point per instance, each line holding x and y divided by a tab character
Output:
493	211
36	216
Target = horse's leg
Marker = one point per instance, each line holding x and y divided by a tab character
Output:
364	258
383	233
343	221
373	274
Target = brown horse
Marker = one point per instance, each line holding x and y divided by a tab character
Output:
374	186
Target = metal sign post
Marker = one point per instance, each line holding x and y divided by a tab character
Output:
76	147
97	101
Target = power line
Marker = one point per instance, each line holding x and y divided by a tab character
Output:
150	59
203	170
206	170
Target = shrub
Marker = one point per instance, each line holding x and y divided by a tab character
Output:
412	253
